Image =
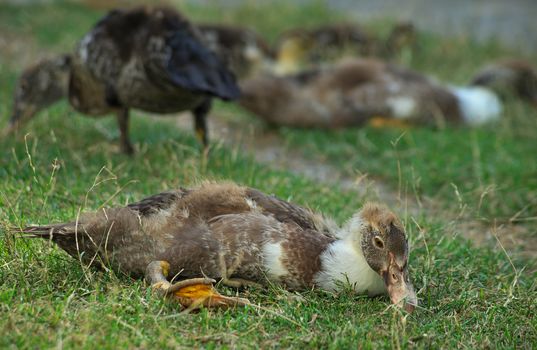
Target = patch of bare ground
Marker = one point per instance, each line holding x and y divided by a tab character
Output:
267	147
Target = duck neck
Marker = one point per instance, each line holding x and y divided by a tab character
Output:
343	264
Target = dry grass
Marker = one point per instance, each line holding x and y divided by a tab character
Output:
470	297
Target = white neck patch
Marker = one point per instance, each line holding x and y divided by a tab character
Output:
478	105
402	107
343	264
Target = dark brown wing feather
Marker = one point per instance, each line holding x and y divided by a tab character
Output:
166	43
288	212
194	67
161	201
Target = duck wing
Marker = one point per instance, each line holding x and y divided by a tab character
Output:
285	212
215	200
156	45
190	229
194	67
162	201
110	44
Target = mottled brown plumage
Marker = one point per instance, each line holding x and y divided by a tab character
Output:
241	236
244	50
349	94
354	92
146	58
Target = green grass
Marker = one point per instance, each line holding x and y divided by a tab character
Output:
492	170
470	297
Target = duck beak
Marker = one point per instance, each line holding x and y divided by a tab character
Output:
399	287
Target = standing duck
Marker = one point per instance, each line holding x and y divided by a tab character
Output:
240	236
354	92
244	50
146	58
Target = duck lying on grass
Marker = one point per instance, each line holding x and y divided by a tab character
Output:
354	92
240	236
147	58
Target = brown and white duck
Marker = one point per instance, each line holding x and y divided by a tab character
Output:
146	58
354	92
244	50
303	48
240	236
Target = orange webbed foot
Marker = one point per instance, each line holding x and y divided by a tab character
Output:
196	292
192	293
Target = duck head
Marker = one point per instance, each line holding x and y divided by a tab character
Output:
38	87
402	36
382	240
293	51
515	77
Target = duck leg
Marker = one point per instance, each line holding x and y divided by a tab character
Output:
383	122
200	123
226	271
191	293
123	123
239	282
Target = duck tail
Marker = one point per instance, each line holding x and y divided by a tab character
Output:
195	67
53	232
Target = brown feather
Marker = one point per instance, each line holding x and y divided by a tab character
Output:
193	230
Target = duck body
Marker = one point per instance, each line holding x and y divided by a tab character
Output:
147	58
235	234
348	94
159	66
353	92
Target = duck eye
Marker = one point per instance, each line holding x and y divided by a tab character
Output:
378	242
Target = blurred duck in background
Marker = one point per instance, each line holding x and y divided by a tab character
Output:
242	49
146	58
512	77
354	92
306	48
